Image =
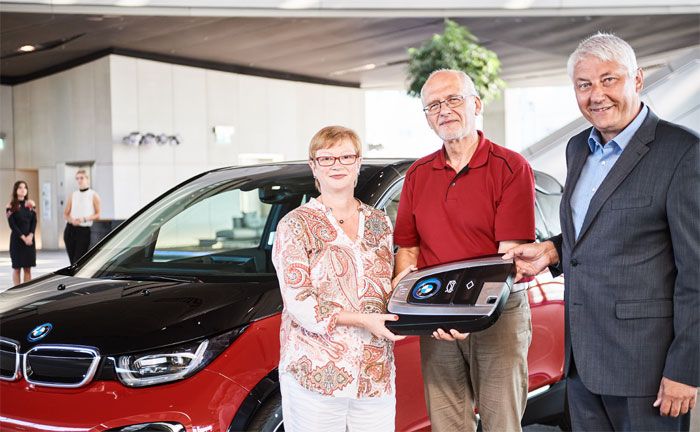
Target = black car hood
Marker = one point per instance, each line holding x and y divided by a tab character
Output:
119	317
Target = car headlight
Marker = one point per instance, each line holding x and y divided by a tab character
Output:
171	363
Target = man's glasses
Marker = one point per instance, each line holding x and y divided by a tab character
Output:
325	161
451	102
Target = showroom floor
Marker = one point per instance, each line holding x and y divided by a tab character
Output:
46	261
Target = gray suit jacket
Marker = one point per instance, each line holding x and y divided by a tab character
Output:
633	276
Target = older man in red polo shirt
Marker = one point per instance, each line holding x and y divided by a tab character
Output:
470	198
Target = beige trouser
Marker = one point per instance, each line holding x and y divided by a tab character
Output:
488	370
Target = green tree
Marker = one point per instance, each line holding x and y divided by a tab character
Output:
456	48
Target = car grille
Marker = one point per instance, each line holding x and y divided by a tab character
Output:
9	360
60	365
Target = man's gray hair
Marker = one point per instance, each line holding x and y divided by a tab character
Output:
467	82
605	47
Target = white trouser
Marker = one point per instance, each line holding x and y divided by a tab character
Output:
307	411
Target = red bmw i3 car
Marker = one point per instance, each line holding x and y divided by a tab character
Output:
171	323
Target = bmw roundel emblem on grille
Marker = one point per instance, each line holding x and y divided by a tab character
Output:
39	332
426	289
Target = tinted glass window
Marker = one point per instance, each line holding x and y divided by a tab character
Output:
219	224
547	215
391	206
206	228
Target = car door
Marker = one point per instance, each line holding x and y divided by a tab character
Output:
411	413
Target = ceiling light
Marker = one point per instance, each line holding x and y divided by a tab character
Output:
131	3
365	67
518	4
41	46
299	4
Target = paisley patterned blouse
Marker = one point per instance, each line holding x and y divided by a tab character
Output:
322	272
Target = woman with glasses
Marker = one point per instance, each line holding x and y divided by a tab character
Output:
334	260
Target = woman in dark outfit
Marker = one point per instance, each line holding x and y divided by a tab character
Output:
22	220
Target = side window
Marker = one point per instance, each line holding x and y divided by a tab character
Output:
216	230
547	215
391	203
541	232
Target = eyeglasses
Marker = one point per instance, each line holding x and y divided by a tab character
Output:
452	102
325	161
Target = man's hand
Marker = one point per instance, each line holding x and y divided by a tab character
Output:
532	258
452	336
402	275
675	398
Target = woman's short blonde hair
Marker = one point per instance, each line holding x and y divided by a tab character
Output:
329	136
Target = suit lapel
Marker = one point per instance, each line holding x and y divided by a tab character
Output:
579	154
630	157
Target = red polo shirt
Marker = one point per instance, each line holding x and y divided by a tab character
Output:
453	216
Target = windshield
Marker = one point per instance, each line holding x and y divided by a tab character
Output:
220	224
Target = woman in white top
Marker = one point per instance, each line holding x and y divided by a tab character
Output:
334	260
82	207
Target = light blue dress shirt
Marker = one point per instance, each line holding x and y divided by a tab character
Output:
598	164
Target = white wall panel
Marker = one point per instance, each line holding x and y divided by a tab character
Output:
155	179
102	127
124	107
283	103
7	154
127	190
222	109
155	101
356	117
78	139
310	115
190	115
253	120
21	107
42	132
337	106
103	183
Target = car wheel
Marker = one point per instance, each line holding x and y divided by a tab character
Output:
269	416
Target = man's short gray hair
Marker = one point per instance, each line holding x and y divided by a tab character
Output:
605	47
467	83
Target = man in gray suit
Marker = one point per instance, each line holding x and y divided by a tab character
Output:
630	252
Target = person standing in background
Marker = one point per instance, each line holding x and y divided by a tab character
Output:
22	219
82	208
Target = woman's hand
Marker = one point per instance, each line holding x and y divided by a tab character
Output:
374	323
402	275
